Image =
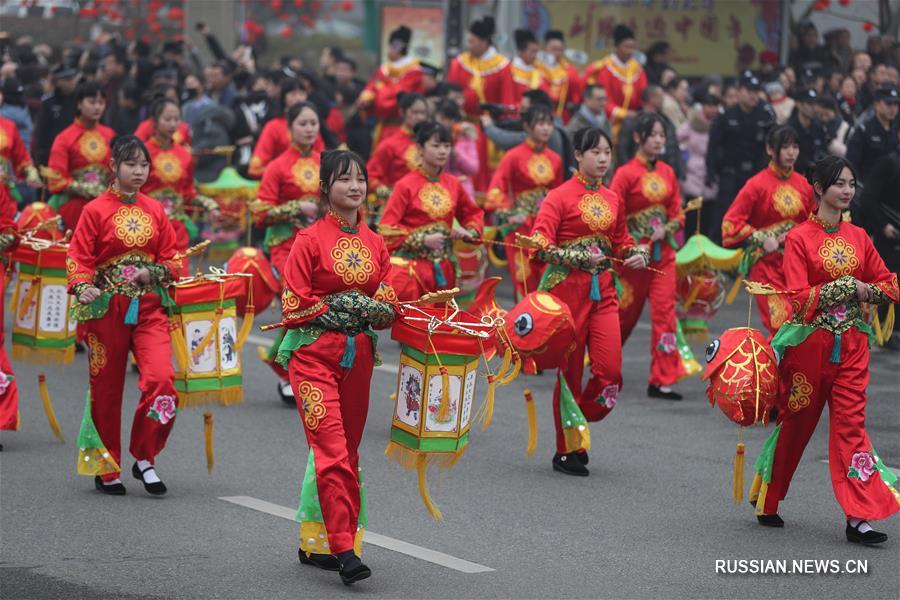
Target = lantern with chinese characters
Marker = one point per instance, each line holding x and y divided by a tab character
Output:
34	216
542	331
206	342
264	285
233	193
433	408
42	330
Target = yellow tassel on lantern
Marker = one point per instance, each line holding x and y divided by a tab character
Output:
733	292
887	328
738	479
421	465
29	297
488	410
512	374
504	366
208	438
48	408
263	353
246	327
179	346
692	297
532	423
444	410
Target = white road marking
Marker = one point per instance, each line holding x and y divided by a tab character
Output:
382	541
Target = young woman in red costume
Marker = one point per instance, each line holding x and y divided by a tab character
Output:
275	136
418	220
78	169
397	154
831	268
578	226
649	189
336	292
288	200
770	204
525	175
15	163
171	179
9	390
122	257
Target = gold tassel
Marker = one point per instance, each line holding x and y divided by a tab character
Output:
29	297
504	366
444	410
692	297
179	345
532	423
488	410
263	353
876	326
208	338
887	328
246	327
421	465
517	366
761	499
738	479
48	408
732	294
208	437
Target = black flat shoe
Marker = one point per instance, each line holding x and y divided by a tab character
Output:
116	489
869	538
286	393
354	570
583	457
326	562
156	489
570	464
655	391
770	520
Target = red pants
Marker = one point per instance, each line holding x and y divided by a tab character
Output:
70	211
597	328
333	404
526	273
109	341
9	391
638	286
808	380
412	280
773	310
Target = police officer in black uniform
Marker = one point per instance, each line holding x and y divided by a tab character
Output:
57	111
813	137
877	134
736	151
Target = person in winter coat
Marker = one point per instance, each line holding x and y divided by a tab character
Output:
463	161
693	138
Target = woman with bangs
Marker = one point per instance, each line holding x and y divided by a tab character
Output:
579	226
770	204
831	268
518	187
336	291
427	210
652	197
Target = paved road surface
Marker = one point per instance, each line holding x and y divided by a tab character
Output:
649	522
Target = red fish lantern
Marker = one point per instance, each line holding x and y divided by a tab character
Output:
542	330
743	375
265	286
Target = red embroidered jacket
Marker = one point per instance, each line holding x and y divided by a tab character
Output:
182	135
651	197
273	141
79	154
14	158
485	79
524	177
171	179
394	157
623	84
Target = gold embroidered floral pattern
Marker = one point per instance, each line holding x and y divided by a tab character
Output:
595	212
289	300
385	293
98	354
306	175
539	169
435	200
4	140
312	403
787	201
627	295
167	167
838	256
352	261
778	310
133	226
411	157
92	146
801	390
654	187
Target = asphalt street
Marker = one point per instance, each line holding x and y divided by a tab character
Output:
650	521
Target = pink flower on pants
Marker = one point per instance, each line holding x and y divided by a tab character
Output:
862	466
609	396
5	380
163	409
667	343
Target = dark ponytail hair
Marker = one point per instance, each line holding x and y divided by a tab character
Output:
287	86
537	113
126	147
333	164
406	100
826	172
588	138
295	110
779	137
428	129
644	125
